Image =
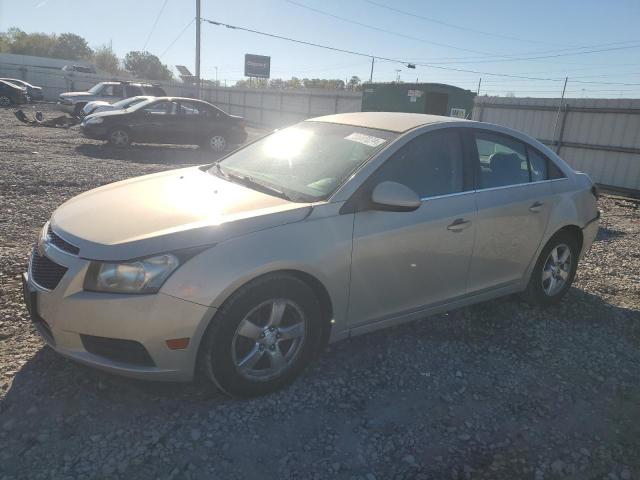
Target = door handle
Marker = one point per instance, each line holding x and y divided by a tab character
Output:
458	225
535	208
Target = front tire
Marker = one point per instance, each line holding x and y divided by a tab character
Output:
554	271
119	137
263	336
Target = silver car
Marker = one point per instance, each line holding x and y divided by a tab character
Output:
245	269
110	92
98	106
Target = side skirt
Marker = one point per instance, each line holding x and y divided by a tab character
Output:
431	310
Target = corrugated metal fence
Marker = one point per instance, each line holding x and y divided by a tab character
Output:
265	107
598	136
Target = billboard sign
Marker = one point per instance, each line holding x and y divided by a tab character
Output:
257	66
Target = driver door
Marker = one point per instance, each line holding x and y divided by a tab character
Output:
405	261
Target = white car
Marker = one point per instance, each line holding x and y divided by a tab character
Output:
98	106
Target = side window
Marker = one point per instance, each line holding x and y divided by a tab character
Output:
538	166
133	91
542	168
118	91
431	165
161	108
188	108
107	91
503	161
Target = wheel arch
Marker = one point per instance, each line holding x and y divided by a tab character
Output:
318	288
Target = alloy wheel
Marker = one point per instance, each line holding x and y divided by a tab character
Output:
556	269
269	339
119	138
4	101
217	143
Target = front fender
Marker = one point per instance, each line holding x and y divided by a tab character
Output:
319	246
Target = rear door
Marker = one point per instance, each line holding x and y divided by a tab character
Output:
404	261
193	122
513	210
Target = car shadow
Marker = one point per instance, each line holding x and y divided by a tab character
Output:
150	154
495	323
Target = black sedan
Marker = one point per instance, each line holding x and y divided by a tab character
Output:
34	93
11	94
168	120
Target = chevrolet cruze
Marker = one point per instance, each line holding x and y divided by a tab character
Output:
241	271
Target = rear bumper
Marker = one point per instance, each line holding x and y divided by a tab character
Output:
113	332
589	233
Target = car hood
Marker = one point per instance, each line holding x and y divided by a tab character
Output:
165	212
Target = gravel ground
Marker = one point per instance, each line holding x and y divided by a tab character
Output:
500	390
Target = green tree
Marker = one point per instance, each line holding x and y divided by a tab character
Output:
106	60
146	65
354	83
70	46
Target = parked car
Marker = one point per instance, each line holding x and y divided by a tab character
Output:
102	106
78	68
11	94
74	102
168	120
33	92
336	226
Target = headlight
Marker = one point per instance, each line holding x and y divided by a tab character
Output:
140	276
94	121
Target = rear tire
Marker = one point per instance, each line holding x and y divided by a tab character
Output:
5	101
262	337
216	143
554	271
119	137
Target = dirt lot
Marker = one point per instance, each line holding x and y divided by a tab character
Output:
499	390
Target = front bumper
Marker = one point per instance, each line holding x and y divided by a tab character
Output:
589	233
67	316
95	132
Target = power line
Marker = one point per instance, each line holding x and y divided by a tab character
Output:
391	32
497	57
458	27
177	37
154	24
394	60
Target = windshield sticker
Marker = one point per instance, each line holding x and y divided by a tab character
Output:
368	140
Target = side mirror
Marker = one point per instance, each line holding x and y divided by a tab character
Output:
394	197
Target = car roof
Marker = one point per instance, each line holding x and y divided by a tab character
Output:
392	121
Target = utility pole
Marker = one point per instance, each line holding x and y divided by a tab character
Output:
555	125
198	82
373	60
398	76
479	83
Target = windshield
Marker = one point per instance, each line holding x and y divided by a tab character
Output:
96	88
306	162
127	102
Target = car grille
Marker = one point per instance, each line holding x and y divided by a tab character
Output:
61	243
124	351
46	272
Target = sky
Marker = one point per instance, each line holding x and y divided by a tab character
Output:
595	43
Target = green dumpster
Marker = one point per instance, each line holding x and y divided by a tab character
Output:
431	98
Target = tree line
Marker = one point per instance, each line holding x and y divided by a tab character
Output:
141	64
69	46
